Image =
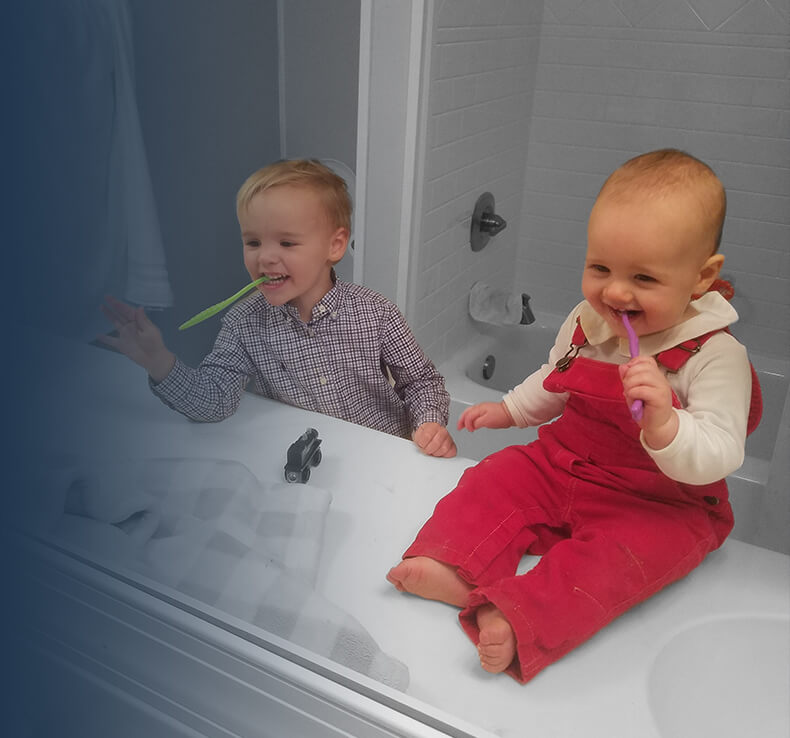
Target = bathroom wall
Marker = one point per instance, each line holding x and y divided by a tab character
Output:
207	88
619	77
319	87
483	58
773	521
578	87
320	69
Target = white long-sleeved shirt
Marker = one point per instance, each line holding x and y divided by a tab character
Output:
713	386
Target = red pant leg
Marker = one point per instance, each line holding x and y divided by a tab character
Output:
622	550
510	502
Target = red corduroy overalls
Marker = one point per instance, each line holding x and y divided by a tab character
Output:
612	528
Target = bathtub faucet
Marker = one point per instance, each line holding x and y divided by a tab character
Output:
527	315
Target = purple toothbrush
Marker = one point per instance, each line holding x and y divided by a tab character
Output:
637	406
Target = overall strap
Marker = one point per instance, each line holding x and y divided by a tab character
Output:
578	338
578	341
671	359
674	358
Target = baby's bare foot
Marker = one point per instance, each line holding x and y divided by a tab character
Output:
431	579
497	642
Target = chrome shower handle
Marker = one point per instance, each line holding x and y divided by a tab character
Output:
491	223
485	222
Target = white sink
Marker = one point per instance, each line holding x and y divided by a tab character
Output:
726	677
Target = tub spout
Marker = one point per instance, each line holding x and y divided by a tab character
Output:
527	315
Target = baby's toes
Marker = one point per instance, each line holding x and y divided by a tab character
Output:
496	646
495	658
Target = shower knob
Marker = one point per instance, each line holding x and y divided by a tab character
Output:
485	222
492	224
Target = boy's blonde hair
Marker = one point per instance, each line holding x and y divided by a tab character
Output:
301	173
667	171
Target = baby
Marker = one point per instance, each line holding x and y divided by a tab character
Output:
305	338
618	507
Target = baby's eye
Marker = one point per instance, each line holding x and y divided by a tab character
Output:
599	268
252	243
286	244
644	278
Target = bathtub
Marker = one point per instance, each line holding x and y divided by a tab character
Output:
500	357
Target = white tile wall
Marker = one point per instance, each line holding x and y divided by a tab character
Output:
538	104
483	65
619	77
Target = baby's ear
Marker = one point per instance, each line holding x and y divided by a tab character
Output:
708	273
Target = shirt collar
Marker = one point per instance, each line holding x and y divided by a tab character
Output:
711	312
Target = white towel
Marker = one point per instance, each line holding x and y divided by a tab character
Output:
209	529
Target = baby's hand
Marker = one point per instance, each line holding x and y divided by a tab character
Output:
485	415
643	380
434	439
138	338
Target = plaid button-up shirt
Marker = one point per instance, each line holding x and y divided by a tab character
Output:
334	364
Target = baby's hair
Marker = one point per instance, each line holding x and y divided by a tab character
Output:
301	173
666	171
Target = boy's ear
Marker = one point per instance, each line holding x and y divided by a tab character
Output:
708	273
338	244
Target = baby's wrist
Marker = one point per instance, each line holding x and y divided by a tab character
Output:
661	436
506	411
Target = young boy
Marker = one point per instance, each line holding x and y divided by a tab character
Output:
618	507
304	338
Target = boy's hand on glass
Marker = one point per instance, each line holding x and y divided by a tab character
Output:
644	380
485	415
138	338
434	439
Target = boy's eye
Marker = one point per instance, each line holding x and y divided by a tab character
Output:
644	278
286	244
252	243
599	268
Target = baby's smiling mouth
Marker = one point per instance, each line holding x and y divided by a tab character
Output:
617	314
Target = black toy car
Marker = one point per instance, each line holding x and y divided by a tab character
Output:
302	454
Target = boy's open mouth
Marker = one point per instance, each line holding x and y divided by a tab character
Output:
274	279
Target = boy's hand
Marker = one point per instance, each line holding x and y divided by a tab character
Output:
138	338
643	380
486	415
434	439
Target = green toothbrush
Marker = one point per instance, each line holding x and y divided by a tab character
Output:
214	309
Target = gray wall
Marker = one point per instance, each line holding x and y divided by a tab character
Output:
319	59
207	86
320	73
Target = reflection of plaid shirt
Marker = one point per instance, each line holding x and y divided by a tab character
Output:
334	364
